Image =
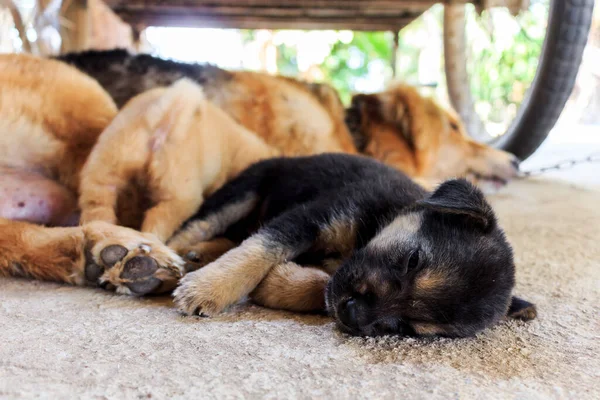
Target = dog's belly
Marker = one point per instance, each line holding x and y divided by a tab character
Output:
29	196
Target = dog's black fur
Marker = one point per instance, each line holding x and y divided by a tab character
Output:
420	263
124	75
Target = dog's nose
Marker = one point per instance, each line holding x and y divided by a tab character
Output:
347	313
515	162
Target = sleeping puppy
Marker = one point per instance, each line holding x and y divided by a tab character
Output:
357	237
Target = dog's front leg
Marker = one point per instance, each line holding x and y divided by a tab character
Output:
164	218
94	254
227	280
49	254
238	272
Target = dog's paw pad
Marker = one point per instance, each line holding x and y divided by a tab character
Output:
129	262
113	254
144	286
139	267
192	256
93	272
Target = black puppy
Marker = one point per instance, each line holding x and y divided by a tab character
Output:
409	262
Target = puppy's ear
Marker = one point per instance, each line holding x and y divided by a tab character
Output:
459	197
521	309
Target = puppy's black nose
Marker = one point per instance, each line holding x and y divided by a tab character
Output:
347	313
515	162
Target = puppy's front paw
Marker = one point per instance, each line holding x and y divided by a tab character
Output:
225	281
129	261
197	294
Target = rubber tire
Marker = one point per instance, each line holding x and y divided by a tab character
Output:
566	36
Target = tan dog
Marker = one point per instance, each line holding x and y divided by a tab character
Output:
174	143
165	151
424	140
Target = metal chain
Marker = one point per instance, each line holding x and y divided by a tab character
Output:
592	158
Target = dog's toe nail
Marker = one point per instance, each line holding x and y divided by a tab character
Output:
139	267
93	272
197	311
144	248
203	315
144	287
113	254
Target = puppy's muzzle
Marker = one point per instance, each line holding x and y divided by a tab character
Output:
346	312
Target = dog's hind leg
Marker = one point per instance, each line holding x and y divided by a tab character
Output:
289	286
117	158
154	141
94	254
213	223
239	271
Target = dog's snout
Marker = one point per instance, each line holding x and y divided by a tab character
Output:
347	313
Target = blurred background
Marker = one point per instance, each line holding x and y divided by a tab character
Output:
503	53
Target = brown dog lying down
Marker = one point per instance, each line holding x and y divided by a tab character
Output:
151	168
399	127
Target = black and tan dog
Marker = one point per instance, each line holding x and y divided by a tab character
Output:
403	261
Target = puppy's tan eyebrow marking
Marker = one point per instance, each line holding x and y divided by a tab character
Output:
400	229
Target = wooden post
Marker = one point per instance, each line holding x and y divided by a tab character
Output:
395	53
75	29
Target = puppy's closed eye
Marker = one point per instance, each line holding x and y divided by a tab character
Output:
411	261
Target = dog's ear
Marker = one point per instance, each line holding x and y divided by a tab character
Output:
521	309
368	105
386	107
459	197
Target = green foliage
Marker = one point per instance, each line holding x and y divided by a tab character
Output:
349	62
504	67
504	57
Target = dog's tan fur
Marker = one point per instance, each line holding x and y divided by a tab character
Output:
167	149
291	116
419	137
293	287
51	116
174	143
